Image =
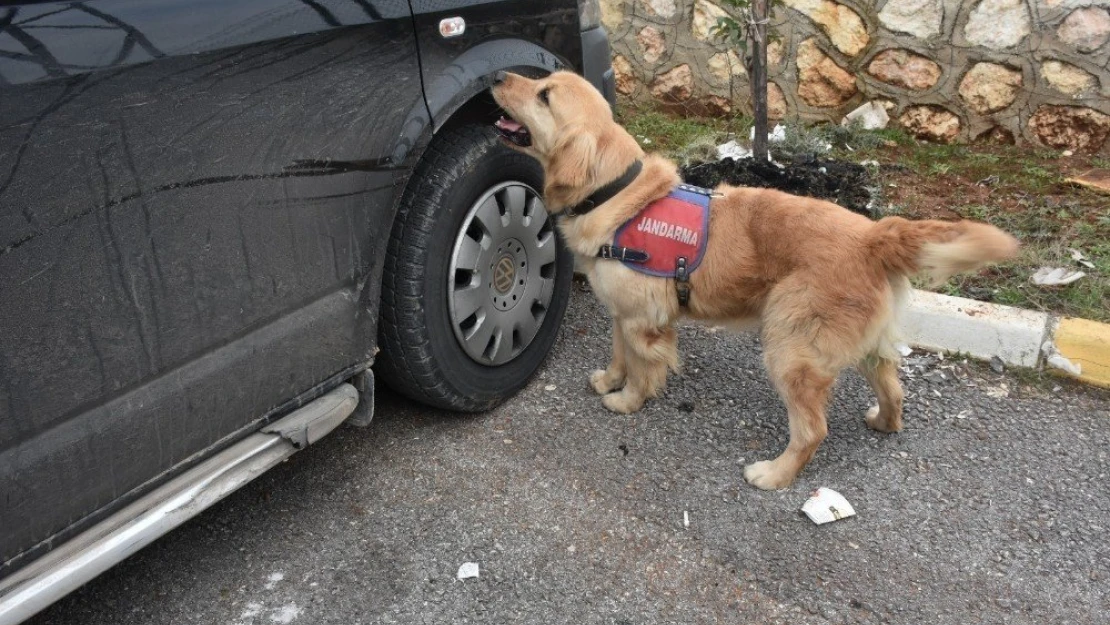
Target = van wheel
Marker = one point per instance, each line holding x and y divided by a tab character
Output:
476	279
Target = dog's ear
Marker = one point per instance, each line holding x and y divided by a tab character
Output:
572	159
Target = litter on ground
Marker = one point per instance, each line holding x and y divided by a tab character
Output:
1056	276
777	134
1056	360
1078	257
732	150
468	570
1001	391
869	116
826	505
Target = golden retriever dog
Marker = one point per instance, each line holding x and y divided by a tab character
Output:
821	283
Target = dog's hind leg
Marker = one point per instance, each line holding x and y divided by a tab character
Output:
882	374
649	352
804	385
607	380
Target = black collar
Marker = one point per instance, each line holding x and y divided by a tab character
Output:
606	193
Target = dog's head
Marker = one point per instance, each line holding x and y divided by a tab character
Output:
566	124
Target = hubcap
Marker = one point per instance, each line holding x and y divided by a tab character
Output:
502	273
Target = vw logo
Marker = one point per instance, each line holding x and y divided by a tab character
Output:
504	273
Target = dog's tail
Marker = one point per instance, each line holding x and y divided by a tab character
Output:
938	249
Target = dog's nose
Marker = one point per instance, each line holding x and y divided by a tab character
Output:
499	78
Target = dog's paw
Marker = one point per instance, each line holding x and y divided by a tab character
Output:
622	402
603	383
879	423
765	475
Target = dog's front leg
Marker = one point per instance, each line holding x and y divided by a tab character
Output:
606	381
649	351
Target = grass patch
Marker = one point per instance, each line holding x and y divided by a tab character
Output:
672	135
1025	196
939	169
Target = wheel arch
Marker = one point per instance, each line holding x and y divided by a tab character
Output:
460	94
457	96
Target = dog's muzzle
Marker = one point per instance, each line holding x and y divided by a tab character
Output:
514	132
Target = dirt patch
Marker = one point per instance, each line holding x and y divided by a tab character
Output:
845	183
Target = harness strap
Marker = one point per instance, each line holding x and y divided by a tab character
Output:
626	254
682	281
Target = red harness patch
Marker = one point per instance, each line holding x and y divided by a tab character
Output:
667	230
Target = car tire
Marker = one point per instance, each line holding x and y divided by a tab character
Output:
449	243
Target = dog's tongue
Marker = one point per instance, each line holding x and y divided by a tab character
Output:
509	125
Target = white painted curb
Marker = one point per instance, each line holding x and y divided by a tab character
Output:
981	330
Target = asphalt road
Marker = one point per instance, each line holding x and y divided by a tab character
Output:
990	507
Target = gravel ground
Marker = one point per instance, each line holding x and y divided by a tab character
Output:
990	507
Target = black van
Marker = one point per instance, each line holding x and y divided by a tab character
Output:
219	220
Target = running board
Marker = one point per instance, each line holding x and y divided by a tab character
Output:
60	572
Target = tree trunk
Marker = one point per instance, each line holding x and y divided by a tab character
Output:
758	35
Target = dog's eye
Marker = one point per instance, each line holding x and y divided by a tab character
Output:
544	95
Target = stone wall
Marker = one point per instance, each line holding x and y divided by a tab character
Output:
1014	71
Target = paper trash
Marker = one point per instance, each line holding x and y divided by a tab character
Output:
732	150
1078	257
1056	360
870	116
467	570
777	134
1055	276
825	505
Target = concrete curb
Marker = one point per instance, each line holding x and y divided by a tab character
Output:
1076	348
957	325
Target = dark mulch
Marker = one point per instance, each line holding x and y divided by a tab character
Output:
842	182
